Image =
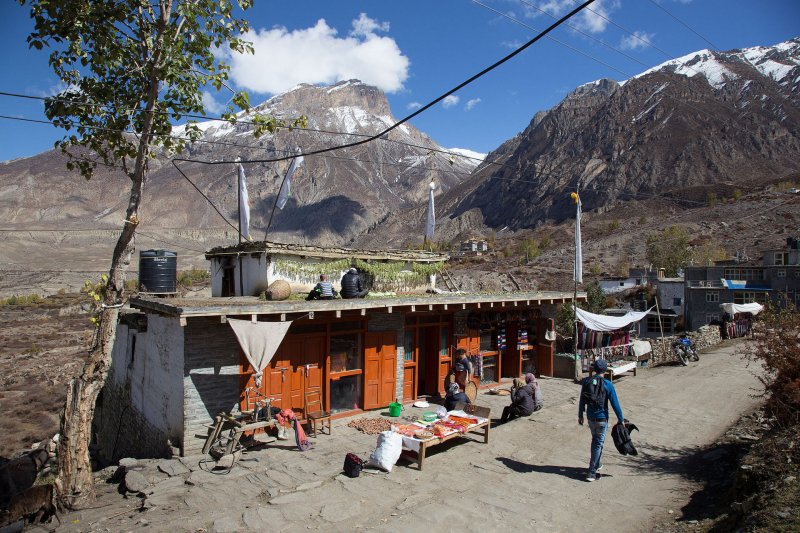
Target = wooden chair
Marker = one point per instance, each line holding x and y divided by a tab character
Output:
315	413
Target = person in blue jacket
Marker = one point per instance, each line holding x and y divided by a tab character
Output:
597	412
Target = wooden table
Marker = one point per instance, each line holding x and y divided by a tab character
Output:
434	441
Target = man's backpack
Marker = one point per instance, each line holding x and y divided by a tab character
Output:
352	465
593	392
622	438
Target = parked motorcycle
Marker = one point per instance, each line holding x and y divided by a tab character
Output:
685	350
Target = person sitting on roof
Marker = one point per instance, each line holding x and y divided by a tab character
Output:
454	396
323	290
352	286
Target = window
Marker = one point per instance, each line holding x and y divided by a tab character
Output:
652	324
781	273
781	258
345	352
711	317
676	302
749	297
712	296
408	346
444	342
797	272
345	393
746	274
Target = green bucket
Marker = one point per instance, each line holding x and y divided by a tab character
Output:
395	408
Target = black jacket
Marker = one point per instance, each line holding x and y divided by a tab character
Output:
451	401
523	399
352	286
622	438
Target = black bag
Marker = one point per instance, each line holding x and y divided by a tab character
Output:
593	392
622	438
352	465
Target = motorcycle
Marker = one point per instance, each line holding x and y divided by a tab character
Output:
685	350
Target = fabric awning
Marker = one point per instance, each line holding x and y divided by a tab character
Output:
752	308
609	323
259	342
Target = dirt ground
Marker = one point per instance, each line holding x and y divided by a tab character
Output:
531	473
42	346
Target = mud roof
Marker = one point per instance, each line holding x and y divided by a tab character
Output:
251	305
327	252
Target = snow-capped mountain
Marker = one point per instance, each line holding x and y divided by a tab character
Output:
705	122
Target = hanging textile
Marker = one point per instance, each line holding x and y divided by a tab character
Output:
259	342
606	322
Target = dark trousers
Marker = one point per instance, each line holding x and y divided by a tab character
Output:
510	412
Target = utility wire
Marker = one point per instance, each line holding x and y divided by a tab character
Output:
662	8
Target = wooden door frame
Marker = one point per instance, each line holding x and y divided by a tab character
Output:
413	364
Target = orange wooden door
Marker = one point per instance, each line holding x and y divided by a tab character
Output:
313	360
379	369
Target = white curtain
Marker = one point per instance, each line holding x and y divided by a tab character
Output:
259	342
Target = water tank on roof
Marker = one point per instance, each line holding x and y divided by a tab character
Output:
158	271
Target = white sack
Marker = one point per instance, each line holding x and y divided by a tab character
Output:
386	454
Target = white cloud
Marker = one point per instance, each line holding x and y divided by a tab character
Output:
364	26
413	106
211	105
284	59
638	40
472	103
450	101
592	19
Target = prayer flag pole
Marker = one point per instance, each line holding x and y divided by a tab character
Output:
578	278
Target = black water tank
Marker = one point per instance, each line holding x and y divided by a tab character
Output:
158	271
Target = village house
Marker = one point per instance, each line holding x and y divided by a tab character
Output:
775	279
177	363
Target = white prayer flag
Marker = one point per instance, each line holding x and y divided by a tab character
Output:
286	188
244	206
431	214
578	252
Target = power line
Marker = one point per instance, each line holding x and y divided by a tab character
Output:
665	10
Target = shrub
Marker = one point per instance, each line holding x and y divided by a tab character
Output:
777	347
189	277
711	199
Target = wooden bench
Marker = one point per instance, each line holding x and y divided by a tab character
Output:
616	370
476	410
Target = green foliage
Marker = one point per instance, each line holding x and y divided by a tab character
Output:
188	278
135	65
669	250
96	292
613	225
737	194
27	299
707	253
711	198
545	242
530	249
595	303
386	276
595	269
642	220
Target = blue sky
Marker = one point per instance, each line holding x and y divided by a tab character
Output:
416	50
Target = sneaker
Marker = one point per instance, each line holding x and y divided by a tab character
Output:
599	468
590	478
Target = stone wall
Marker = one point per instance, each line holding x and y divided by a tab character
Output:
702	338
210	378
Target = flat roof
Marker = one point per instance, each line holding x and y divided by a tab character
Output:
251	305
328	252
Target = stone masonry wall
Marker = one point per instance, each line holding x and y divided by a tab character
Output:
702	338
210	377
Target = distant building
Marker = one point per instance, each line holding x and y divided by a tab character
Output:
636	277
775	279
473	247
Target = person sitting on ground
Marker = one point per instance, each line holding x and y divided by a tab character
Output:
531	381
323	290
352	286
454	396
521	401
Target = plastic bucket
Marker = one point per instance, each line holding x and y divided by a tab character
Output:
394	409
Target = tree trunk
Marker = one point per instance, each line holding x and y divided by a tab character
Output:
74	484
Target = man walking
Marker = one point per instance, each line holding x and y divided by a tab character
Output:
596	392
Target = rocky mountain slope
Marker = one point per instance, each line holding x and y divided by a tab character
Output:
683	128
336	196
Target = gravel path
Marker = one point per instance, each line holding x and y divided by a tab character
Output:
531	474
